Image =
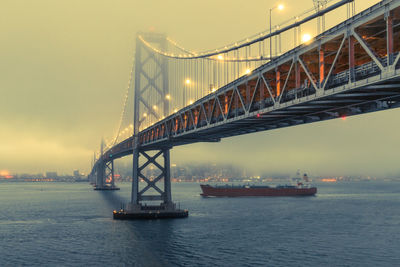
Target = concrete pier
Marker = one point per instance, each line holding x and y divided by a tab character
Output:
144	212
105	188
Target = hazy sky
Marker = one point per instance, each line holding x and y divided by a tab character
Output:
64	68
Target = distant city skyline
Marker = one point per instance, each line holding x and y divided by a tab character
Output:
192	172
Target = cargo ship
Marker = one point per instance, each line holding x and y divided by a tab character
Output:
301	188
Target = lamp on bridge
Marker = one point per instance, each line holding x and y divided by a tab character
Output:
280	7
306	38
187	83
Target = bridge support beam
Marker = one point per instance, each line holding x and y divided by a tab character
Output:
389	37
351	59
105	176
139	195
297	75
139	208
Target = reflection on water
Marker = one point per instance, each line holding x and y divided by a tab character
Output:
353	224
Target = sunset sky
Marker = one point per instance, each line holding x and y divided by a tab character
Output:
65	66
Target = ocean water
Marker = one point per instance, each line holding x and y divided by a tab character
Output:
62	224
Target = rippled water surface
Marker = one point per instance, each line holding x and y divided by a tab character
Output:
346	224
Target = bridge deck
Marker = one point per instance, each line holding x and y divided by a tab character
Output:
350	69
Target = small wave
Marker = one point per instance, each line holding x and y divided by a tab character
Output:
9	222
197	214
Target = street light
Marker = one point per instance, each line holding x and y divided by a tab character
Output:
280	7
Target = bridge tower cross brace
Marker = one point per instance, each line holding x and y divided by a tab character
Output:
155	84
104	171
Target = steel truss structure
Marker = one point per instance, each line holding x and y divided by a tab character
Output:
351	69
151	78
148	80
348	70
109	173
163	195
103	175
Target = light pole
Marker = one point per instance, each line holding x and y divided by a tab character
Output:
279	7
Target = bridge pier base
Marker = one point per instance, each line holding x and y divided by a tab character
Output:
139	208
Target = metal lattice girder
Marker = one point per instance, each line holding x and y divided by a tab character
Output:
319	83
163	194
356	74
151	79
103	173
109	173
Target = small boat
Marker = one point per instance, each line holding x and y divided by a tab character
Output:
301	188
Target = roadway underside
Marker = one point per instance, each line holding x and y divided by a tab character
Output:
334	103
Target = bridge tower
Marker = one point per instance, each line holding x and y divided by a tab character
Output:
104	172
91	176
151	104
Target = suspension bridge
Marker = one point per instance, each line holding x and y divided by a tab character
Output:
257	84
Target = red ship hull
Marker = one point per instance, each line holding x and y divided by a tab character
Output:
210	191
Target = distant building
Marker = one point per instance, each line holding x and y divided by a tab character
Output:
51	175
77	174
